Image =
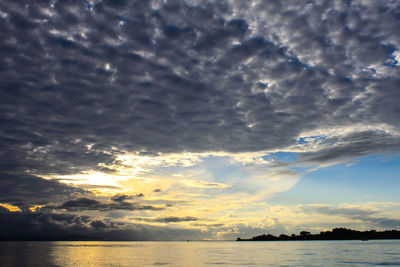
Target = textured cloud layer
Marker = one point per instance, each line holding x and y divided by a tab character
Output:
179	76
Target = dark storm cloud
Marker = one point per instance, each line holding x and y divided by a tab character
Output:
84	203
27	225
79	82
358	214
52	226
25	191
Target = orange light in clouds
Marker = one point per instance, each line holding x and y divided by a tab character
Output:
10	207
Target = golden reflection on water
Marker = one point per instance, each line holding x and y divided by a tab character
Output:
279	253
128	253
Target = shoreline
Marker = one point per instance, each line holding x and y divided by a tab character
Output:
337	234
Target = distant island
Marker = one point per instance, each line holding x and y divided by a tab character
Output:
335	234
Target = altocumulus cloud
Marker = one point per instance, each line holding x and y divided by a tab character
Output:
180	76
82	81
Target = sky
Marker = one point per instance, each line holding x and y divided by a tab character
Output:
200	120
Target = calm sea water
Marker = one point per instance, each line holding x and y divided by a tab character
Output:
292	253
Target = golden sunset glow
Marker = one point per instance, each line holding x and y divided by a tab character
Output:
10	207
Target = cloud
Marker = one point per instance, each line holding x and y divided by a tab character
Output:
358	214
204	184
42	226
208	224
84	203
55	226
348	146
121	198
169	219
26	191
327	210
182	76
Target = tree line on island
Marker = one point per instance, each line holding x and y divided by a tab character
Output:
335	234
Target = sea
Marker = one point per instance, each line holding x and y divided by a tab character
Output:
204	253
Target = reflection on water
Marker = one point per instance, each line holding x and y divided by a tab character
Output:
289	253
26	254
